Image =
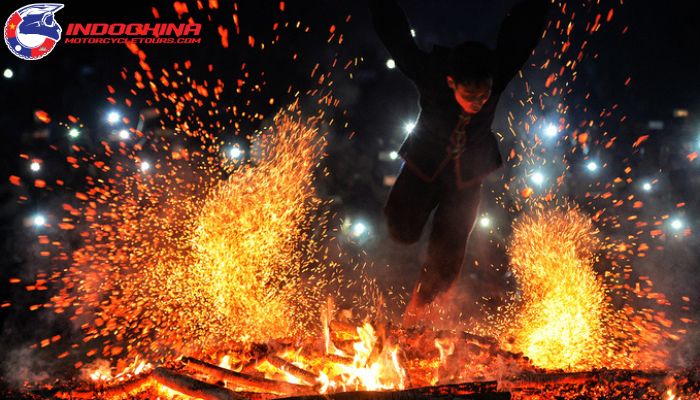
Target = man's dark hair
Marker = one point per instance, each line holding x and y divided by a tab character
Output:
471	62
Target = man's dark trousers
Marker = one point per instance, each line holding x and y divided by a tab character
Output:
407	210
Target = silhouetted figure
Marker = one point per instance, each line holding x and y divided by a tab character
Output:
452	148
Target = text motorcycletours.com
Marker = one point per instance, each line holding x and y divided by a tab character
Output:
119	33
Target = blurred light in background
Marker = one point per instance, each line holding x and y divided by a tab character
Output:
485	221
358	229
677	224
39	220
537	178
235	152
551	131
408	127
113	117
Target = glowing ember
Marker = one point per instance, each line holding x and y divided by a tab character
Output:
225	362
565	318
200	265
552	256
669	395
250	233
101	372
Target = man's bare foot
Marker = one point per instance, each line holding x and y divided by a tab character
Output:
413	313
440	313
415	310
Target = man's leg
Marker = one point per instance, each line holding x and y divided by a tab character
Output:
409	205
453	222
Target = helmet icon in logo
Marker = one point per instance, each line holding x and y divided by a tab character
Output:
32	31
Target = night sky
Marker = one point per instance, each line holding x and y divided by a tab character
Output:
659	52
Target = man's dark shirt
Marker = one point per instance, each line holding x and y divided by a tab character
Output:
428	149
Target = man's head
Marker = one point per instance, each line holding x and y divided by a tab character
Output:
471	67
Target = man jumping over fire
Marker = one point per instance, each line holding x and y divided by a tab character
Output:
451	149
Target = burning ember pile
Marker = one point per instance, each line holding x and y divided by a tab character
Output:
183	264
561	320
364	362
565	314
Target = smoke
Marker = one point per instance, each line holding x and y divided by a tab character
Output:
24	361
673	270
21	366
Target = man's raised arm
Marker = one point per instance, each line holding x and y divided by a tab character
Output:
393	29
517	38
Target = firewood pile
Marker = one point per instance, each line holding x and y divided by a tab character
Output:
436	365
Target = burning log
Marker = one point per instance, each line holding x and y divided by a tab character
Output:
403	395
538	380
422	337
346	346
459	389
119	389
344	328
192	387
250	367
471	390
286	366
483	341
245	381
338	358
